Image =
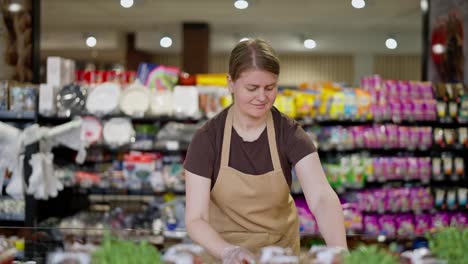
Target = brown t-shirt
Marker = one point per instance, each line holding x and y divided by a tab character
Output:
204	153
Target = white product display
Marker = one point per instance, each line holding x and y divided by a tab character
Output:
16	186
43	184
118	132
91	130
103	99
135	100
161	103
185	99
60	72
47	96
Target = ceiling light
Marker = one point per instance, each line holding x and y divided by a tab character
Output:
241	4
126	3
438	48
310	44
358	4
424	5
243	39
165	42
91	41
15	7
391	43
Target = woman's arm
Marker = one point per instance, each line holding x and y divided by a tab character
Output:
322	200
197	215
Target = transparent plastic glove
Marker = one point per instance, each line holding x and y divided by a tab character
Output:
36	179
237	255
16	186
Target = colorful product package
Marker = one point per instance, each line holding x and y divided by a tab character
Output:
371	225
158	77
387	225
440	220
307	222
405	225
422	224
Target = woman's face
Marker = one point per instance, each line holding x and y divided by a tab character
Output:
254	92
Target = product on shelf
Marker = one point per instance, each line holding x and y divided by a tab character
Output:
71	100
158	77
103	99
11	209
118	132
400	100
372	137
22	98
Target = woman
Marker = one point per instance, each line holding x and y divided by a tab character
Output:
238	169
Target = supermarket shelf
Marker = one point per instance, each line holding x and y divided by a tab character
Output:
10	116
433	151
126	192
146	119
346	122
11	223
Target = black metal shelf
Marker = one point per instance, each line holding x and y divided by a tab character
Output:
430	152
144	119
125	192
10	116
11	223
346	122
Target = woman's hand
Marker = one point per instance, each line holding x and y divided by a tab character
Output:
237	255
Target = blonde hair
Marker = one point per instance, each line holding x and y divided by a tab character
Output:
253	54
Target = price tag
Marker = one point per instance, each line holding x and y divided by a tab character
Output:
172	145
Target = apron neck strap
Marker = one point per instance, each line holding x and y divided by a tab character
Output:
226	148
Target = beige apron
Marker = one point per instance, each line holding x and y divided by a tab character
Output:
254	211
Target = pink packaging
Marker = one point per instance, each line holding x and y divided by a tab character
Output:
424	167
404	194
418	110
403	89
387	225
459	219
414	90
369	137
376	113
401	168
413	169
358	136
371	225
427	200
414	198
415	138
425	138
429	110
396	111
365	202
380	200
380	136
440	220
307	222
427	91
393	202
388	170
392	136
385	111
422	224
391	87
353	218
405	225
403	137
408	110
378	169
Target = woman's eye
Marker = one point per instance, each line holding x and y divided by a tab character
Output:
251	89
270	88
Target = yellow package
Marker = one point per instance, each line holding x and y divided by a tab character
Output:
363	104
337	108
285	104
216	79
